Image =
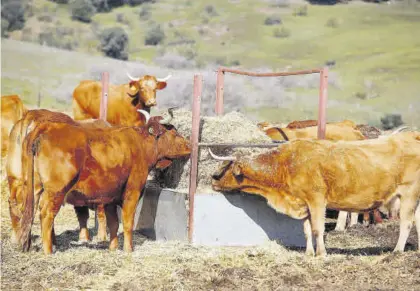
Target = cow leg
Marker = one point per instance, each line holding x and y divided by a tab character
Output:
82	213
408	206
113	223
417	222
366	218
308	235
341	221
317	213
394	207
128	211
102	222
353	218
377	218
50	204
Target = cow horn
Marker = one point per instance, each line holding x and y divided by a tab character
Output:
164	79
401	128
145	113
221	158
132	78
171	116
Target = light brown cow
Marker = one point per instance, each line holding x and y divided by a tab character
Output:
124	100
343	130
304	177
12	109
97	166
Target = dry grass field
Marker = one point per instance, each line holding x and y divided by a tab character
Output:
359	259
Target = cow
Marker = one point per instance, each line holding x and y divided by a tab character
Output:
304	177
343	130
106	166
12	109
124	100
32	119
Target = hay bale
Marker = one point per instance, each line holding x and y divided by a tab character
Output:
233	127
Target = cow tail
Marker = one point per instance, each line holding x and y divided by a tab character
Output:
28	154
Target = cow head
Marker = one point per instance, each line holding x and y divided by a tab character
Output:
254	176
143	90
169	143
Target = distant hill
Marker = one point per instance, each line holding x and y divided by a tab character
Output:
373	51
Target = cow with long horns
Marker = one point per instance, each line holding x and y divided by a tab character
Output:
107	166
124	100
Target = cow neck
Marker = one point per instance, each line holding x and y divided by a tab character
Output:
268	169
150	149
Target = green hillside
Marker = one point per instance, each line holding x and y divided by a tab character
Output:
375	47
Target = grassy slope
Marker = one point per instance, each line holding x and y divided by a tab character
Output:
372	44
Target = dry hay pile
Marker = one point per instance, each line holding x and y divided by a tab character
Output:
233	127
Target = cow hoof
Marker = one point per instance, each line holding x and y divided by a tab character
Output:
310	253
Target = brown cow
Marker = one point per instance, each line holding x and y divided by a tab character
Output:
32	119
124	100
29	121
97	166
304	177
12	109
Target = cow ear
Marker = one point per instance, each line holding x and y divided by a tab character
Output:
133	87
237	169
161	85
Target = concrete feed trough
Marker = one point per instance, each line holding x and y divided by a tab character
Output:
219	219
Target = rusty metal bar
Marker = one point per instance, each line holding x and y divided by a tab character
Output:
198	85
242	145
278	74
322	105
219	91
104	98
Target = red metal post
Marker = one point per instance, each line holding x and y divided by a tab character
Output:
198	84
322	106
104	100
219	91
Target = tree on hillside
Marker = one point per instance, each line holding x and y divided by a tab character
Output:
114	43
82	10
12	15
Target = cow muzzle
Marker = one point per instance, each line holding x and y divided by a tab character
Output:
151	102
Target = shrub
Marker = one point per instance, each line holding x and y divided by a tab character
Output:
45	18
282	32
210	11
175	61
114	43
4	27
389	121
332	22
272	20
14	13
101	5
60	1
144	12
138	2
115	3
82	10
154	35
301	11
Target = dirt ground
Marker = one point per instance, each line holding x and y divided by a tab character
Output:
359	259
